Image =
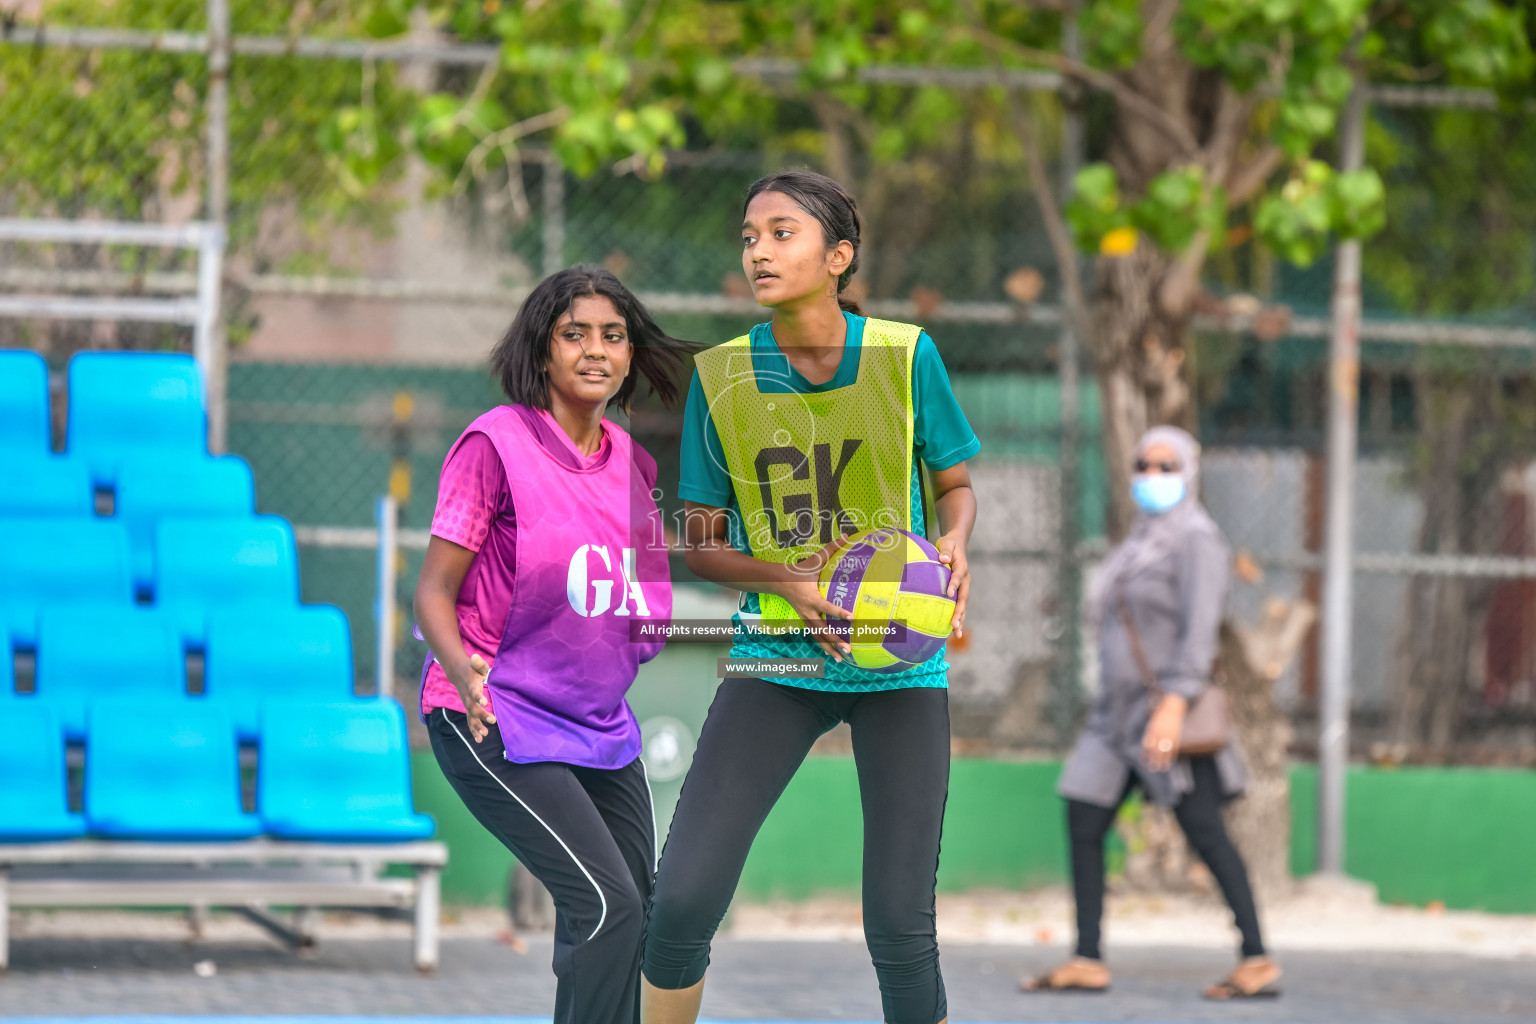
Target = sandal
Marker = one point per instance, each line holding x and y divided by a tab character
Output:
1231	988
1077	975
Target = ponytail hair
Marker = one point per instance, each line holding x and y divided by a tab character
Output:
520	359
830	205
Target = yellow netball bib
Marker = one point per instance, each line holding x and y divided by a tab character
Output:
809	467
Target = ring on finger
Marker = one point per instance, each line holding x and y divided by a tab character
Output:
1165	745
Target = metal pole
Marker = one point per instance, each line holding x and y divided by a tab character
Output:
1064	712
428	917
554	215
218	214
110	232
1339	541
210	267
384	613
68	307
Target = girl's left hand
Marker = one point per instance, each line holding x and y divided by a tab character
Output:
952	554
1160	743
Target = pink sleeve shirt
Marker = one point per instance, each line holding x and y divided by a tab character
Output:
474	511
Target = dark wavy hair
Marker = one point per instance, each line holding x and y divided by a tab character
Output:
831	206
520	359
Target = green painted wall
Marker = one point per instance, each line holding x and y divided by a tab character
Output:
1463	836
1003	827
1466	837
477	863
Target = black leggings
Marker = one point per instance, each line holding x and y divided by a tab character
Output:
589	834
754	739
1199	815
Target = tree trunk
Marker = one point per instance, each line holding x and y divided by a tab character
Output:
1253	658
1439	662
1139	329
1138	351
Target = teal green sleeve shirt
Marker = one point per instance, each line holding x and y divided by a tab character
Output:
941	438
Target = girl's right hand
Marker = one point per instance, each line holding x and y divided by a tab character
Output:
477	706
804	595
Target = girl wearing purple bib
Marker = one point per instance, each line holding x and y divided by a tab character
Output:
546	550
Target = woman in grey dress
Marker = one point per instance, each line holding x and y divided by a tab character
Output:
1170	577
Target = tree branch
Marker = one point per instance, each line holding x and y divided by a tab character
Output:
503	141
1228	129
1182	281
847	114
1248	179
641	23
1165	122
1074	308
482	85
833	120
1022	117
1160	18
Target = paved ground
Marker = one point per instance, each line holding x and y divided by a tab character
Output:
750	980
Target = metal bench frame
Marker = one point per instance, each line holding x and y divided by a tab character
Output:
247	876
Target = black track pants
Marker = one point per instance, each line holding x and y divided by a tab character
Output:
589	834
1199	815
754	739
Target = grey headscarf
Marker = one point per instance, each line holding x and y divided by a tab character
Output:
1153	537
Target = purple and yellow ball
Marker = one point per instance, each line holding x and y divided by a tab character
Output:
894	584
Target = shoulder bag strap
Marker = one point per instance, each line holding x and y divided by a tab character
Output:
1137	651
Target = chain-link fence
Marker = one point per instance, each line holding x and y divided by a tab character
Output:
363	293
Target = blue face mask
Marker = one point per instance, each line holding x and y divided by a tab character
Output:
1156	493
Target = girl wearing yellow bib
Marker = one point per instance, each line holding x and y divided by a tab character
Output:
813	426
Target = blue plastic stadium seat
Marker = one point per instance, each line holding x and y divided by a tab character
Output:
59	561
127	404
86	652
256	652
43	485
337	771
163	770
204	563
150	489
25	429
34	784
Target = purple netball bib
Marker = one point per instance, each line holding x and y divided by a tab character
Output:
591	560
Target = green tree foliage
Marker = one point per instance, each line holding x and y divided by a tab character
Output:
600	82
1460	210
1214	121
1460	215
119	133
603	81
1299	54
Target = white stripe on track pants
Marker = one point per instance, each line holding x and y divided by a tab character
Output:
589	835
